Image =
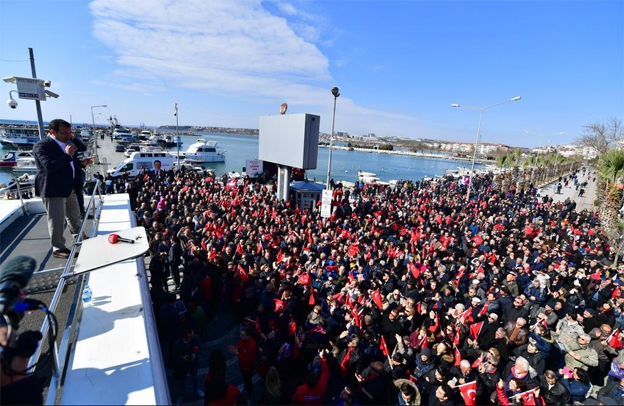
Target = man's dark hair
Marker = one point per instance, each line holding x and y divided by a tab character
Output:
408	390
58	123
448	392
157	162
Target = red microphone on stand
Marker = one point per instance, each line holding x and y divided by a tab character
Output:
115	238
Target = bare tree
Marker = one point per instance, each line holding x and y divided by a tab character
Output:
602	136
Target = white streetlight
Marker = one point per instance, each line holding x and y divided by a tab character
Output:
336	92
474	155
93	120
175	113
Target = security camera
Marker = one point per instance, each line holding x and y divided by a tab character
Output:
335	91
47	83
50	93
12	103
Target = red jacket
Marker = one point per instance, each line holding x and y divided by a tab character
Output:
304	395
246	354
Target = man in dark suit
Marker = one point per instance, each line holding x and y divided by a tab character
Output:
157	172
56	171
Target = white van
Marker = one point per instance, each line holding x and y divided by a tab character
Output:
141	161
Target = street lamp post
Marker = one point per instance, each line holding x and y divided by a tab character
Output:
474	155
175	113
336	93
93	120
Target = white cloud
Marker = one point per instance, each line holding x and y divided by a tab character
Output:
234	49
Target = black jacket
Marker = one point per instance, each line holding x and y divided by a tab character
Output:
557	395
55	177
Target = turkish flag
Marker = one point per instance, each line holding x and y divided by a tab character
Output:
616	293
477	362
469	393
413	269
312	301
383	347
259	248
353	250
279	256
477	240
239	249
615	341
376	296
458	357
484	309
467	316
475	329
528	397
279	305
242	274
456	337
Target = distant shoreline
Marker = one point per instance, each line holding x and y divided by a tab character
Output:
407	153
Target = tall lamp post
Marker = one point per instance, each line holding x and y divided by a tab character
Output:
336	92
93	120
474	155
175	113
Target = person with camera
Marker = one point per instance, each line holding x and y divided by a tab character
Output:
57	171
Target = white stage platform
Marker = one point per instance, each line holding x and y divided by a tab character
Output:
117	357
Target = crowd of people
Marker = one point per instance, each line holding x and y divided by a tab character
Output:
406	295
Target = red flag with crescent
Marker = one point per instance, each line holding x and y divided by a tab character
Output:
469	393
383	347
376	296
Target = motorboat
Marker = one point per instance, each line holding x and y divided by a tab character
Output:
10	158
19	135
165	141
367	177
25	165
145	135
203	151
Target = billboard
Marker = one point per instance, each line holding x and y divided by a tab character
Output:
253	167
290	140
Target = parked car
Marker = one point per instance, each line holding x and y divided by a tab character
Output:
120	148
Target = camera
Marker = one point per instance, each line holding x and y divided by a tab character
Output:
12	103
335	91
47	83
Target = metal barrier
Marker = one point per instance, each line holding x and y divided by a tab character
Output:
60	353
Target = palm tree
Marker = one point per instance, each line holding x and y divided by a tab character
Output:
611	170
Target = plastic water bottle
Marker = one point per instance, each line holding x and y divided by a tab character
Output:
87	296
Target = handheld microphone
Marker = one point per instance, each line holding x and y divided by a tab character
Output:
115	238
13	278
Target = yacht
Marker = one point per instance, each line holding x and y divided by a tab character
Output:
121	133
19	135
165	141
25	165
203	151
367	177
10	158
145	135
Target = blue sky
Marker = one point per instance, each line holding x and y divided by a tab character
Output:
399	64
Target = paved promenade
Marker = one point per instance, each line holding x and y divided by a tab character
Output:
585	202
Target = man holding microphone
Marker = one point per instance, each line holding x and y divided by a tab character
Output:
56	171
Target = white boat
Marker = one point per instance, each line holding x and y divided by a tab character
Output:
145	135
202	152
10	158
85	133
367	177
19	135
122	133
25	165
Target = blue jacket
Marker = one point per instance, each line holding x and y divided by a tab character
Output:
577	389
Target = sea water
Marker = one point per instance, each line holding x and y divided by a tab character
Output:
345	164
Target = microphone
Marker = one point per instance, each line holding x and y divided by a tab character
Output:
13	278
115	238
